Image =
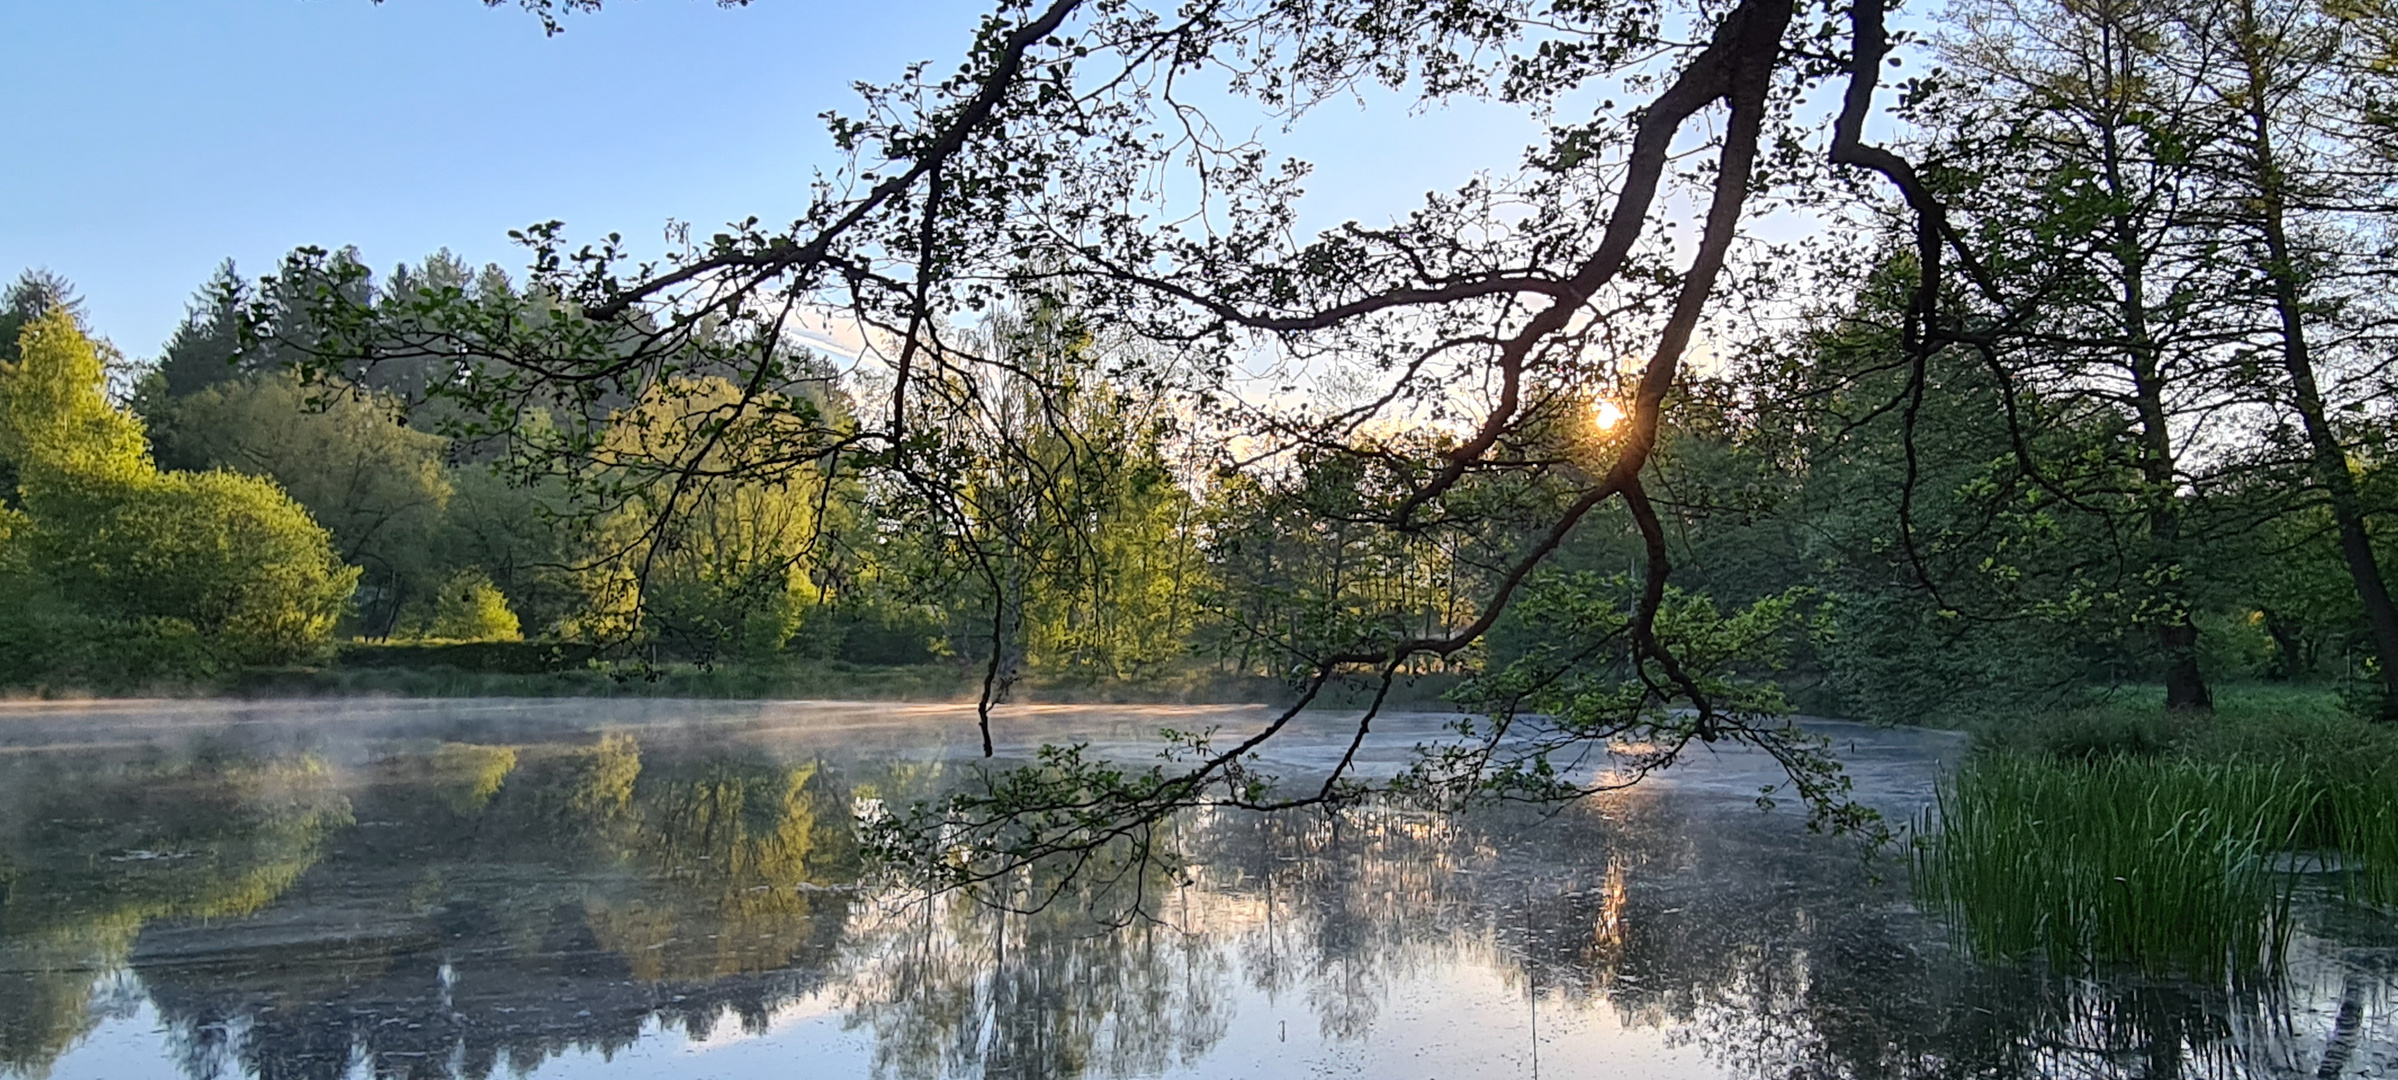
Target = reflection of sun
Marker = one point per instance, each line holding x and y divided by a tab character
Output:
1606	414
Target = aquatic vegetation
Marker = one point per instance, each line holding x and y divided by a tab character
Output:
2166	862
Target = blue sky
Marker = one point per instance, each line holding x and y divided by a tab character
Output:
154	138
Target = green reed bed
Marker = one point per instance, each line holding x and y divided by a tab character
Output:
2359	815
2164	862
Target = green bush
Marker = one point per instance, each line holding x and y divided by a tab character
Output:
107	546
50	645
468	607
230	555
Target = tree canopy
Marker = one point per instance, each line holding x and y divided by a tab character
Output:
101	543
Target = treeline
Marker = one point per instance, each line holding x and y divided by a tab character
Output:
1874	554
420	526
224	511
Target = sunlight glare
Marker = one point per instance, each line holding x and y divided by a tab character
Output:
1606	415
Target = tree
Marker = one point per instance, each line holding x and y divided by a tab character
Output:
714	559
2070	147
57	425
1477	331
469	608
230	557
2305	184
520	537
1073	556
345	453
206	347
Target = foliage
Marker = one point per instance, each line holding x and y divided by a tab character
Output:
518	536
346	454
57	425
228	557
49	643
468	607
206	347
712	562
1064	543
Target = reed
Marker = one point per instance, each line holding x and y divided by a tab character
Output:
2116	832
2156	862
2360	813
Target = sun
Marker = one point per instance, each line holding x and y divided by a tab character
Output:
1606	415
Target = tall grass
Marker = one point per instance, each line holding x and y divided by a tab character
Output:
2362	825
2166	865
2116	834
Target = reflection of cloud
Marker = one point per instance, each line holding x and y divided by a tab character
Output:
811	1006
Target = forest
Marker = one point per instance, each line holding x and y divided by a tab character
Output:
223	505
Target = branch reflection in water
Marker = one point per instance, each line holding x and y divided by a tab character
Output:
471	892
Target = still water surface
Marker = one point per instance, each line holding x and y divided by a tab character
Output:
647	889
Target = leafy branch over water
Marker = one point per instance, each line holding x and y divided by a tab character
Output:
1593	709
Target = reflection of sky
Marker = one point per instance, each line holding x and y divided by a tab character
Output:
1461	1021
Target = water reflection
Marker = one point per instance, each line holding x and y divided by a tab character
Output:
454	901
94	854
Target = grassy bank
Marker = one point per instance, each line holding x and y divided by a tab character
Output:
829	679
2116	833
552	669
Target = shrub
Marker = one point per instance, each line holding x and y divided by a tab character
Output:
469	607
230	555
108	543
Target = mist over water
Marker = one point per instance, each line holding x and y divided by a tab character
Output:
670	889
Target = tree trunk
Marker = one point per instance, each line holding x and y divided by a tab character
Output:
2289	652
2177	636
2185	685
2328	457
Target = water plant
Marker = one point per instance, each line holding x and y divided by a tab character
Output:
2163	863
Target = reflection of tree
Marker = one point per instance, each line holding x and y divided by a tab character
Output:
1737	933
951	987
495	906
468	775
724	846
88	856
504	905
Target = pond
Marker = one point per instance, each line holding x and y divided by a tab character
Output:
586	888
